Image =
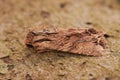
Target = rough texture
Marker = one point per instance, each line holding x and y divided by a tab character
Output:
78	41
18	16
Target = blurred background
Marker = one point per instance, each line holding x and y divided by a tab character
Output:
19	63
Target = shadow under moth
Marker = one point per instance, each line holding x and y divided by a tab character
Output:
86	41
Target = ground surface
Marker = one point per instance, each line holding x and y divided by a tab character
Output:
20	63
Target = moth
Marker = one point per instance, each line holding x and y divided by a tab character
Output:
85	41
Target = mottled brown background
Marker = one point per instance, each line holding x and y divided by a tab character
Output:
19	63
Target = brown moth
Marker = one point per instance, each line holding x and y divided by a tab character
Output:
86	41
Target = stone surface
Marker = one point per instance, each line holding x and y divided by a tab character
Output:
18	16
4	51
3	67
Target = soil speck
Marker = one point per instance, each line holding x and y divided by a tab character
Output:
10	67
45	14
89	23
62	5
28	77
